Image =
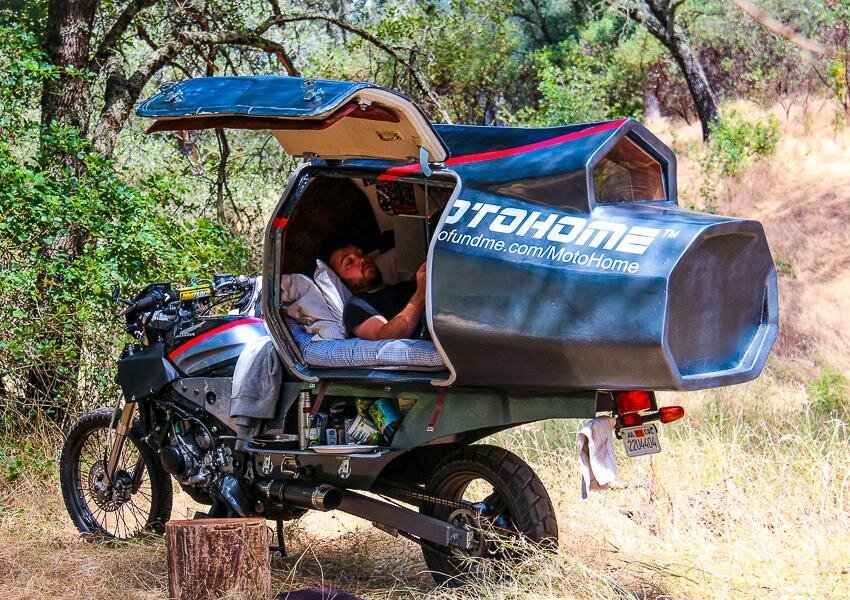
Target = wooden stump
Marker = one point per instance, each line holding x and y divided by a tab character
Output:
214	558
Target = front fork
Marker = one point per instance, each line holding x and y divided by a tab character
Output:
117	445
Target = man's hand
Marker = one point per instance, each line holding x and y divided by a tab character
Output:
404	324
420	279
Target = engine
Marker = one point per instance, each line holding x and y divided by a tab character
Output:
192	456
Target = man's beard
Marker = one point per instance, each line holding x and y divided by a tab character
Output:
372	277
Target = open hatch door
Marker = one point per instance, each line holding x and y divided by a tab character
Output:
308	117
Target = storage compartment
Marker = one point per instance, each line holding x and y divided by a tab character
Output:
361	423
558	257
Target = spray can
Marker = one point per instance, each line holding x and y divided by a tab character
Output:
305	407
386	417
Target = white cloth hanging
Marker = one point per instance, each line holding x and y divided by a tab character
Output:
597	463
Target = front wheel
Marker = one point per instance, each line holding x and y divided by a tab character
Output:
138	499
493	491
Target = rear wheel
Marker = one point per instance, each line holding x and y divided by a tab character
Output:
139	498
496	493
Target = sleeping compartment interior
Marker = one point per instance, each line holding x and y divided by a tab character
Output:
378	216
391	221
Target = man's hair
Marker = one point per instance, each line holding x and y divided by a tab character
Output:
331	247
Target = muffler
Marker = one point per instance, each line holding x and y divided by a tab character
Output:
322	497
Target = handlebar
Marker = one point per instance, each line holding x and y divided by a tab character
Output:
223	284
153	300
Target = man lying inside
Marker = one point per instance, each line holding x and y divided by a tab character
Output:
377	311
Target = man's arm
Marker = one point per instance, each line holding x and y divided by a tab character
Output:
403	324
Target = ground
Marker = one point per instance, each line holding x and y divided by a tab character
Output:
749	498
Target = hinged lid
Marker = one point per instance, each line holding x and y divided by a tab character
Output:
328	119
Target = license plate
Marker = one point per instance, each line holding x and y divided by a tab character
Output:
640	440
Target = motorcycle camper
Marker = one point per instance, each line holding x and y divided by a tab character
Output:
563	281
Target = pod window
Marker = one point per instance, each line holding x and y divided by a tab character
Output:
628	174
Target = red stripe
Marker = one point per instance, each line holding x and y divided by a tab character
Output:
396	172
197	340
279	223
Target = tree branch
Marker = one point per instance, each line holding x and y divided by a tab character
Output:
365	35
782	30
123	92
116	31
648	20
145	37
221	177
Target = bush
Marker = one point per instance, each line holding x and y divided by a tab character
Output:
67	234
785	269
734	145
70	228
25	460
570	90
828	394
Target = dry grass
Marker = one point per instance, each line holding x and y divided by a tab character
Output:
750	497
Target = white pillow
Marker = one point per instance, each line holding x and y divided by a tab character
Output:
303	301
332	288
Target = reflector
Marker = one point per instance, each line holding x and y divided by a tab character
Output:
671	413
633	401
631	419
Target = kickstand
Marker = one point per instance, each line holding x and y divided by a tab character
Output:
281	545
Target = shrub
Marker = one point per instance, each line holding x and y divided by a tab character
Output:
67	234
25	460
570	89
734	145
828	393
785	269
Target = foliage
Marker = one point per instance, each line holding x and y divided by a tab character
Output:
71	229
22	70
598	74
734	145
785	269
26	460
571	93
829	394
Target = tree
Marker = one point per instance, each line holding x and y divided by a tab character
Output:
660	19
834	24
94	47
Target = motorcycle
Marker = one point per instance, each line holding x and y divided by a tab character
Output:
117	464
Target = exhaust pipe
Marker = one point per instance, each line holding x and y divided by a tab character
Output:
322	497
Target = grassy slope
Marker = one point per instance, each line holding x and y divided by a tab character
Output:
751	496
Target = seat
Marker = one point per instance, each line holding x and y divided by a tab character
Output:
354	353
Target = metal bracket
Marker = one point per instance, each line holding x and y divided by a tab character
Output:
312	92
405	520
317	405
423	162
438	410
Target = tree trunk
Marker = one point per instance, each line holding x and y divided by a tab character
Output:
212	558
697	82
659	18
67	98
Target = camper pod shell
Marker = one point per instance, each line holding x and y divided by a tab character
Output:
558	258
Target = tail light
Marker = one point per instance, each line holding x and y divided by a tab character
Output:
633	408
668	414
633	401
